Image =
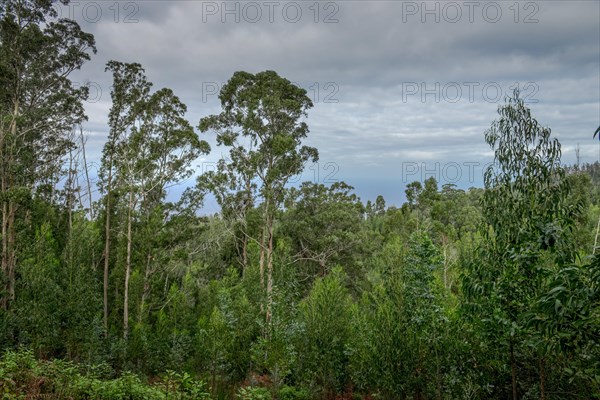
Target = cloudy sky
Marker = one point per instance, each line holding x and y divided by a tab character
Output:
402	90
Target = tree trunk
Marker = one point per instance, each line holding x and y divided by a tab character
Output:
244	253
418	394
146	289
596	238
261	261
3	189
107	246
8	212
247	206
11	261
445	265
127	269
269	270
438	373
5	249
87	177
70	206
513	368
91	210
542	379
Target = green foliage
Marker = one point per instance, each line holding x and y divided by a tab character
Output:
325	315
289	292
81	299
39	306
183	386
261	124
21	376
225	331
265	109
398	328
324	226
293	393
253	393
529	217
127	387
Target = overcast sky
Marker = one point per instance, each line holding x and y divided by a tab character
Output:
402	90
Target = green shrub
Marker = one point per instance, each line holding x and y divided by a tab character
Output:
185	386
253	393
293	393
22	376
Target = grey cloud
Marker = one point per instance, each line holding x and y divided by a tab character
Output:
369	54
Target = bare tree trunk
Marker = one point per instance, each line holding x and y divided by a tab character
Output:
261	261
146	289
3	189
596	238
11	262
323	267
244	254
87	175
70	191
247	205
8	215
5	249
513	368
90	200
127	269
261	266
107	246
542	379
445	263
269	270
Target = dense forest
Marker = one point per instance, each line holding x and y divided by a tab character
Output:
117	291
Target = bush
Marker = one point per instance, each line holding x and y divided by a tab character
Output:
22	376
253	393
126	387
293	393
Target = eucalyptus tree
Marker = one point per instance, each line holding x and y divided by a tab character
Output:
130	86
166	146
324	225
38	107
380	205
151	147
527	222
262	125
235	192
413	192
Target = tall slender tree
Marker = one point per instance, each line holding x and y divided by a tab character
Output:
164	147
39	105
528	218
129	87
261	123
151	147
